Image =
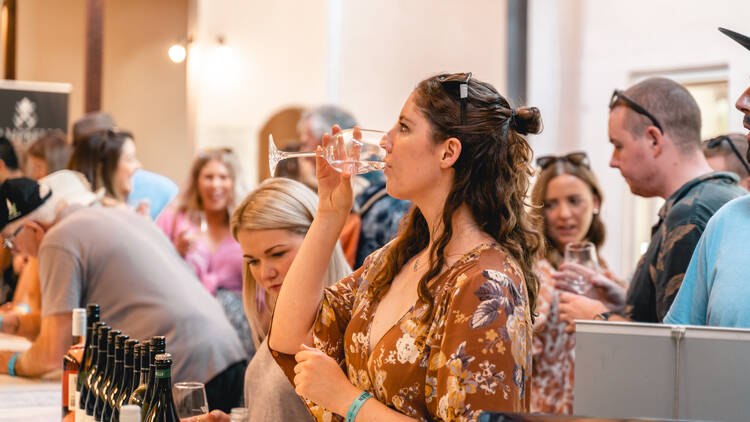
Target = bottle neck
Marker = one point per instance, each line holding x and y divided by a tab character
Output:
163	380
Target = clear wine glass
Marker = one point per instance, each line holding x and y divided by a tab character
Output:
189	399
584	254
342	153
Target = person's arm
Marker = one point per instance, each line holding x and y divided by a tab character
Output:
46	353
302	289
20	324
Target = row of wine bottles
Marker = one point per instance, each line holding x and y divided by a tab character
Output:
105	370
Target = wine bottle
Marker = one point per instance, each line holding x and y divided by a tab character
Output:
101	364
158	346
139	392
92	317
107	379
162	407
114	387
72	364
137	359
91	376
130	413
126	386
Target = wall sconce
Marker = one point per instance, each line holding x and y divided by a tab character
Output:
178	51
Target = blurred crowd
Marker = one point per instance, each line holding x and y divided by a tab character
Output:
452	239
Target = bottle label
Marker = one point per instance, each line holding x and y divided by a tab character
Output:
67	375
72	379
163	373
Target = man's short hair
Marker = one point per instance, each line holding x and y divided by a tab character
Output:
672	105
324	117
8	153
723	149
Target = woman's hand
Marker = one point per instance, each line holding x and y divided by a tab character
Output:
573	307
334	188
320	379
183	242
604	289
214	416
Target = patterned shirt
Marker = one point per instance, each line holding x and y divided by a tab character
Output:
682	219
473	355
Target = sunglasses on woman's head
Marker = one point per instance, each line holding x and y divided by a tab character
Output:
460	81
576	158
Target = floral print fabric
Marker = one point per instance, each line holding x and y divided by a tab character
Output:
474	354
553	352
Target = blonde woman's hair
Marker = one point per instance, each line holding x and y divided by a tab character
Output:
278	204
190	200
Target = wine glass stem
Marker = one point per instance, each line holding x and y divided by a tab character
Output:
286	155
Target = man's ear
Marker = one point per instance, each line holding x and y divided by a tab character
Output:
451	149
36	228
656	139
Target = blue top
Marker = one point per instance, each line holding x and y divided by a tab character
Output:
157	189
715	288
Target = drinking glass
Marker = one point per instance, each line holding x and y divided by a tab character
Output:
342	153
189	399
239	414
584	254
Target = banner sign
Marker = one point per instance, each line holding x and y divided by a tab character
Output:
29	109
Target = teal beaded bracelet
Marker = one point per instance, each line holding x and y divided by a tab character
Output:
351	414
12	364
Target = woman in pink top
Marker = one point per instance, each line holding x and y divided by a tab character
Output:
198	226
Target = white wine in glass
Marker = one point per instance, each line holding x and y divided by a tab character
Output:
584	254
342	153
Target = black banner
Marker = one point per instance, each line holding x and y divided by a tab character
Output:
29	109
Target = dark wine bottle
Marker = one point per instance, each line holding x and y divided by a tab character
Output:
114	387
72	364
107	379
101	366
138	357
162	407
158	346
92	317
140	392
126	386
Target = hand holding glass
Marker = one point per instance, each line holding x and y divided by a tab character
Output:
584	254
189	399
343	152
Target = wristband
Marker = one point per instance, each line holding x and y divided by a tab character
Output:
12	364
351	414
25	307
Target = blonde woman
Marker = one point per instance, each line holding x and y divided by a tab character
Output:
270	225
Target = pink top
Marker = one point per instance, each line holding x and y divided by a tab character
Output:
215	269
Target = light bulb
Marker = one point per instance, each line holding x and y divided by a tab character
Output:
177	53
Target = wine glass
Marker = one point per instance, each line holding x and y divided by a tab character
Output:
239	414
584	254
342	153
189	399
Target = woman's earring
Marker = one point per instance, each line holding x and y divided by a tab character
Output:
596	211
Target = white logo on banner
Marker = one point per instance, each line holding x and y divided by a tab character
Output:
25	116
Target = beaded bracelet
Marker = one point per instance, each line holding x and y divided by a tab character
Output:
351	414
12	364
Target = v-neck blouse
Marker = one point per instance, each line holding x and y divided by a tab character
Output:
473	355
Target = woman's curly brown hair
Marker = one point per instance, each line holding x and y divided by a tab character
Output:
491	178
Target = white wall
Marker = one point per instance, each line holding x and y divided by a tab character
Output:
364	55
574	68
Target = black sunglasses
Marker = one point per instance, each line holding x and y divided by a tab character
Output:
460	80
618	96
715	142
578	158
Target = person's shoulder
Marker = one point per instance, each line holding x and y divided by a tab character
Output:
701	203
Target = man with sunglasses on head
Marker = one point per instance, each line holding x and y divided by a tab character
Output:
654	127
727	153
715	289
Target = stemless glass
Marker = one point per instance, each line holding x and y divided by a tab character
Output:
584	254
189	399
342	153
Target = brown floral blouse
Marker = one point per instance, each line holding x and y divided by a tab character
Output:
473	355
